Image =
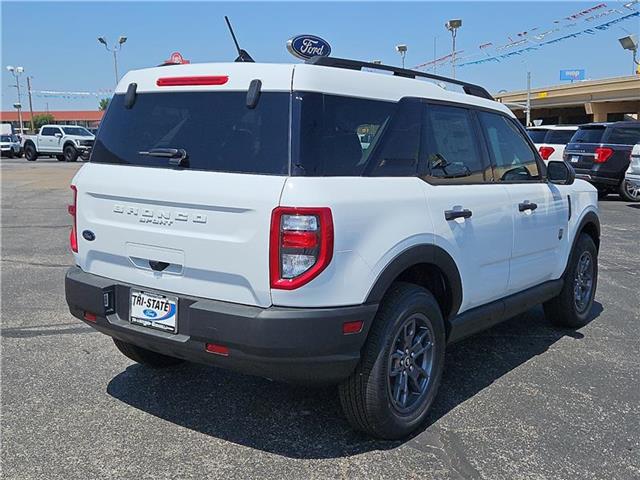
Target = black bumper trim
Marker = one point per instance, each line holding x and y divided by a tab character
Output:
302	345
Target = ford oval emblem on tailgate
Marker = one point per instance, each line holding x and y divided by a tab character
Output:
89	235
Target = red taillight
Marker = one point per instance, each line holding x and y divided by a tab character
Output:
189	81
545	152
301	245
603	154
352	327
72	209
90	317
217	349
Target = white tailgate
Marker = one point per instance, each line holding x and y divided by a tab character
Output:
211	228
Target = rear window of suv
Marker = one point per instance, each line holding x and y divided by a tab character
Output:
216	129
559	137
537	135
589	134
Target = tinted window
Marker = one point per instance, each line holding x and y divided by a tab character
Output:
397	151
588	135
559	137
624	135
538	135
336	134
48	131
511	154
451	146
79	131
216	129
5	138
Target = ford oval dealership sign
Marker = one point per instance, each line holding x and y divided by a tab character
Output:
308	46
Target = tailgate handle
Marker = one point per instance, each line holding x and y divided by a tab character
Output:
158	266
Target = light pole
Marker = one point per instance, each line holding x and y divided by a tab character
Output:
115	49
630	42
453	26
528	107
402	50
16	72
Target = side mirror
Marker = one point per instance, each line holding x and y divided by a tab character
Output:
560	173
58	135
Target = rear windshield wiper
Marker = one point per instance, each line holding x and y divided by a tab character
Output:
178	157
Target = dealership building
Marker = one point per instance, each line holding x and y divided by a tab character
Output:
84	118
605	100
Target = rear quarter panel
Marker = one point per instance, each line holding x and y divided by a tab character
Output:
374	220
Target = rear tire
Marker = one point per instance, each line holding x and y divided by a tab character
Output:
571	308
144	356
70	153
30	153
628	192
60	158
389	393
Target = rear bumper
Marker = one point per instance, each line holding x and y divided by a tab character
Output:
292	344
597	179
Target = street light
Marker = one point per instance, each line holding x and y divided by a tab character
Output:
402	50
453	26
115	49
16	72
630	42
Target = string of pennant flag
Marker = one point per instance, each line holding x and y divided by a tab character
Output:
590	21
101	93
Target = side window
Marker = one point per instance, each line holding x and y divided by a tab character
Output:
57	130
47	131
451	147
513	158
624	136
398	150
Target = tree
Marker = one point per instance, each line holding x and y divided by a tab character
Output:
104	103
42	119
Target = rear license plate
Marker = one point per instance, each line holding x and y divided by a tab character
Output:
575	158
154	311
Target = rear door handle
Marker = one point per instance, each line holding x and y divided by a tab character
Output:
453	214
524	206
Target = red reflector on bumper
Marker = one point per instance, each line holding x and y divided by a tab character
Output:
90	317
352	327
217	349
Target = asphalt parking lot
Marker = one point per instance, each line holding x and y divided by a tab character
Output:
523	400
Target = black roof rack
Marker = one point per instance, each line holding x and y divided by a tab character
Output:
469	88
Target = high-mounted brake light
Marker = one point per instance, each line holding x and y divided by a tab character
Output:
545	152
301	245
189	81
73	210
603	154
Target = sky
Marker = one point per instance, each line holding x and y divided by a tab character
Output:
56	42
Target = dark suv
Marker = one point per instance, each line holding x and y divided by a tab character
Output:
600	153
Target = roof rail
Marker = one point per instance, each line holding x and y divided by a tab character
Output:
469	88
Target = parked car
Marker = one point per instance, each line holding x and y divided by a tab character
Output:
279	245
10	146
632	177
65	142
550	140
600	153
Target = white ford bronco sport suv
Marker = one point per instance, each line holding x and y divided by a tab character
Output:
232	214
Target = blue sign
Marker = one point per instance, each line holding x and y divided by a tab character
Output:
573	75
308	46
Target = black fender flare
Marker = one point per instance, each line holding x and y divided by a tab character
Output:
69	142
415	255
589	218
29	142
